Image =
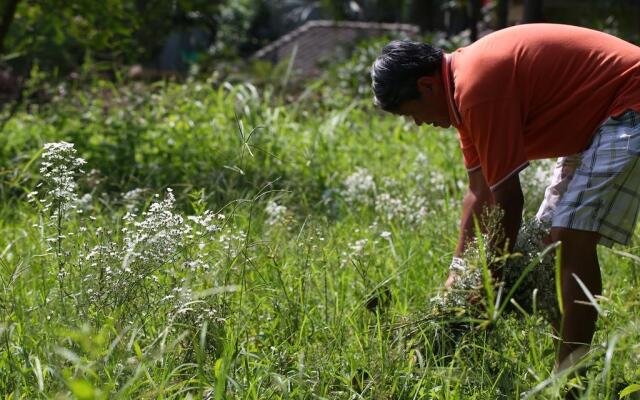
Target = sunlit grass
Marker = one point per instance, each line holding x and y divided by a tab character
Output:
318	289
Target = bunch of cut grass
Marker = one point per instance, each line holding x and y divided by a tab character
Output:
523	285
523	280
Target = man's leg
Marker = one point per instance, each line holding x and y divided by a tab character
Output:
579	257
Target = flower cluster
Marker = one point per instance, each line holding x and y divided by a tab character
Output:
432	181
133	198
152	245
359	187
357	247
387	199
59	194
410	209
156	237
276	213
408	202
58	169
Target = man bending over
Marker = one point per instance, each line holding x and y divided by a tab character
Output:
531	92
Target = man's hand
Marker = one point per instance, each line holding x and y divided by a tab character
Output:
450	280
508	196
458	265
477	197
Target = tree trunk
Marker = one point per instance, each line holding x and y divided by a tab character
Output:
7	17
474	18
389	10
502	14
422	14
532	11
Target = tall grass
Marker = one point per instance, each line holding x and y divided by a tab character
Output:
338	225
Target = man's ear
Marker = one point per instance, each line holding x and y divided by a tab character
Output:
426	85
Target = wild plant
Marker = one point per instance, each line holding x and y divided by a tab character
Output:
490	285
57	197
145	268
276	213
141	266
391	202
525	278
359	187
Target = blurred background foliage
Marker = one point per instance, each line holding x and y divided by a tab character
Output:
66	74
61	36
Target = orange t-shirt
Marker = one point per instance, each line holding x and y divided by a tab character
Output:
537	91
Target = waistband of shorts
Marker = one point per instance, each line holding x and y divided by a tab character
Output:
629	117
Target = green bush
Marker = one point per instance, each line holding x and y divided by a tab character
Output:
61	36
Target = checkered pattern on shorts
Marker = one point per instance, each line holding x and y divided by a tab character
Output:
604	194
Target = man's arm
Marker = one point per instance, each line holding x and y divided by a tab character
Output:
508	196
477	197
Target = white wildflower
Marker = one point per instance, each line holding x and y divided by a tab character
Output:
359	187
85	202
133	198
58	169
153	241
389	207
207	221
437	181
357	247
275	213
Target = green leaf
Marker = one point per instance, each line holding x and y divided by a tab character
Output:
217	369
559	278
136	348
629	390
82	390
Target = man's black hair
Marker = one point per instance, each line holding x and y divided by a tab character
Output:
395	72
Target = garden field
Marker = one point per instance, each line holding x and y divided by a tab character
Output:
217	240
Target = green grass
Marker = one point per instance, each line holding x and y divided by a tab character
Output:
292	296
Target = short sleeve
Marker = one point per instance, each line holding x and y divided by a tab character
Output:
496	133
469	153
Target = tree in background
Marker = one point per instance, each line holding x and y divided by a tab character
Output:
475	10
8	12
532	11
59	35
502	13
422	13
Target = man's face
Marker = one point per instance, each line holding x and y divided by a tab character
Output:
431	107
423	113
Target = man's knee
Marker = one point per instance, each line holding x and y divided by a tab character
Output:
577	246
571	237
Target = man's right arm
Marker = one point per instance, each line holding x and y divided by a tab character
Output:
477	197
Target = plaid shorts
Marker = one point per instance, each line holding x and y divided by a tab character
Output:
604	193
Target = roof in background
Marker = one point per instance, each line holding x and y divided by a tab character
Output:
317	40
